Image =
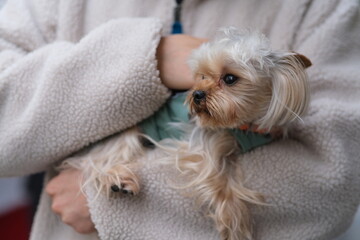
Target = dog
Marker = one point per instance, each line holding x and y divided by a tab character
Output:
241	86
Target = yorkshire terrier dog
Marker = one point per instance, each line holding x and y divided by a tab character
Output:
241	87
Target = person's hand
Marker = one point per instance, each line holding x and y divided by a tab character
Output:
172	55
69	202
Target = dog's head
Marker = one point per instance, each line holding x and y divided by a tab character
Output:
240	80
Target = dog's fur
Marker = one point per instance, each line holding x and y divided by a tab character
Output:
239	80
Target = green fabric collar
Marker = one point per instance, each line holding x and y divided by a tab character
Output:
158	126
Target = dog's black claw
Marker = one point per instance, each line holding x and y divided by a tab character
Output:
146	143
115	188
124	191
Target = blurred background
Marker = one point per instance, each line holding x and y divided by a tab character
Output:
19	198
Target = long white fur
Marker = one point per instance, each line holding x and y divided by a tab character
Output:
208	159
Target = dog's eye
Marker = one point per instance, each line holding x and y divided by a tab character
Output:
230	79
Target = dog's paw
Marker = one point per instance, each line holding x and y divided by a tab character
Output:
130	189
119	179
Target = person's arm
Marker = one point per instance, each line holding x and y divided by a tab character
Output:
312	180
58	96
67	199
173	54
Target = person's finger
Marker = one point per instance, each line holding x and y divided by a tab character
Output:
52	187
85	227
57	207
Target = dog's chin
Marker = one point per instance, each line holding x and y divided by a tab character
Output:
203	119
202	115
206	120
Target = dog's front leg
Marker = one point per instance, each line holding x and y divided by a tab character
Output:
111	164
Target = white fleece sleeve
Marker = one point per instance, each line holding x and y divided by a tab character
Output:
311	180
58	96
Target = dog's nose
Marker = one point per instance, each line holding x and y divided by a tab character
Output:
198	95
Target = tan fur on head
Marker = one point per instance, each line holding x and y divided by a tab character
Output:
271	90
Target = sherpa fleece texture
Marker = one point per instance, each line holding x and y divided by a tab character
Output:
61	93
73	72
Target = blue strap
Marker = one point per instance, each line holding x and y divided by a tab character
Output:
177	27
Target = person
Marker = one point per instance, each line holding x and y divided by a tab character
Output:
75	72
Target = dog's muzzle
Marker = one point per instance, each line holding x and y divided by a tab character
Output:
198	96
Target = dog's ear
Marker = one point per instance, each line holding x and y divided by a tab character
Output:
290	91
303	60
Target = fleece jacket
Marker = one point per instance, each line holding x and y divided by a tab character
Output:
75	72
